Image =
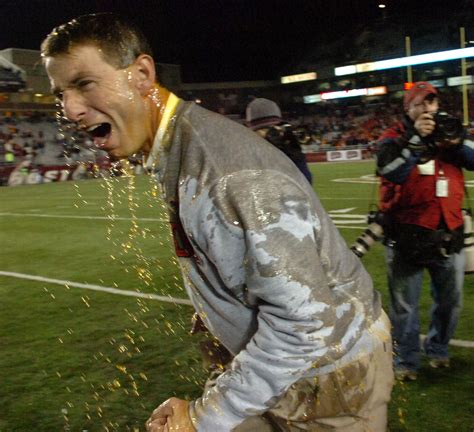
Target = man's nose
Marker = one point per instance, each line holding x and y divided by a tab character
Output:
74	106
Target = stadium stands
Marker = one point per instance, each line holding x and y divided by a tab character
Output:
30	135
34	141
37	138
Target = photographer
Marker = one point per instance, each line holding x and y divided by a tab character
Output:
264	117
420	161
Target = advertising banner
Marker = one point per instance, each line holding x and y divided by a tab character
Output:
344	155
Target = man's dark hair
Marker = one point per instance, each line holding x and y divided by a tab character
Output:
120	41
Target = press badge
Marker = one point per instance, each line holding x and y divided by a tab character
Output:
442	187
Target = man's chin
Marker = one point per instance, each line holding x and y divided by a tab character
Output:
116	153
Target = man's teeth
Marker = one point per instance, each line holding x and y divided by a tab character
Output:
92	128
100	130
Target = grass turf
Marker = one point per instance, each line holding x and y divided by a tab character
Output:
79	360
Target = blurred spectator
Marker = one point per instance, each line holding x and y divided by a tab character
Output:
9	157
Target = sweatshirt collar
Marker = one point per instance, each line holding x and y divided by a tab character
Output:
162	136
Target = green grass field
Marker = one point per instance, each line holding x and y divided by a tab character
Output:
75	359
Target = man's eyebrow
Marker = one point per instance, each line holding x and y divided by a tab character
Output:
57	90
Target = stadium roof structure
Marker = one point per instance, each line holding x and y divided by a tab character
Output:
12	77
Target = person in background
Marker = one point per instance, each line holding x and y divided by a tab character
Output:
264	266
264	117
421	161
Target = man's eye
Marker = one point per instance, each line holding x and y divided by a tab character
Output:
84	84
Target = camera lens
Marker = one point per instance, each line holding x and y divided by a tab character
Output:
372	234
447	126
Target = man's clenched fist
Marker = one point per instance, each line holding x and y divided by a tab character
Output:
171	416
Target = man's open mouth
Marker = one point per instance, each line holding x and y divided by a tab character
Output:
100	133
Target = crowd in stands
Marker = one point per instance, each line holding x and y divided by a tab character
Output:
37	137
30	140
23	136
337	127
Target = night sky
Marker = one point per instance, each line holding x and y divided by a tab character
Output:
218	40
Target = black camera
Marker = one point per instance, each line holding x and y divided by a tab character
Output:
285	132
447	127
371	235
302	134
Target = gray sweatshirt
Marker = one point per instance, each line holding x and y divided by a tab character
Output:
271	277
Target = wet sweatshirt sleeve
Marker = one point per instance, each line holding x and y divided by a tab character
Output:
284	279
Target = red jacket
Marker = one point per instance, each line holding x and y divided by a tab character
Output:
413	200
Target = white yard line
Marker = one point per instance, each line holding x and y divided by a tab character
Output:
116	218
454	342
97	288
59	216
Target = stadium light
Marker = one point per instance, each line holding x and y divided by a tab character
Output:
344	94
372	91
434	83
460	80
405	61
312	99
289	79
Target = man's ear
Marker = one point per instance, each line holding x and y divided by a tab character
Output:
145	73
